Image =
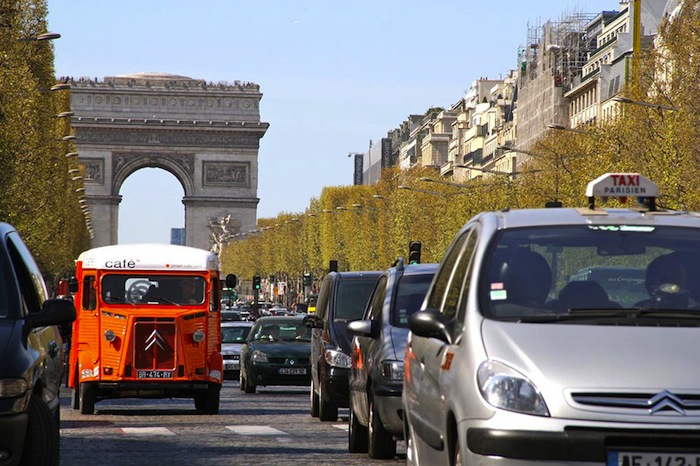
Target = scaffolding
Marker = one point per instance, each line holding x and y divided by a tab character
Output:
559	48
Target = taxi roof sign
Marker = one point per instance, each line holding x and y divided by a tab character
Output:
623	185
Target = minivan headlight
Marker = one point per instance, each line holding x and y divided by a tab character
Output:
338	359
505	388
11	388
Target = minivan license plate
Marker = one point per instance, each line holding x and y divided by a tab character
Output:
154	374
293	370
625	458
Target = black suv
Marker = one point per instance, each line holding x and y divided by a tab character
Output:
31	357
378	347
342	298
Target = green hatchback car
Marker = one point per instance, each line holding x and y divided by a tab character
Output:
276	352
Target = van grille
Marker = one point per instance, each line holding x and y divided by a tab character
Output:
155	344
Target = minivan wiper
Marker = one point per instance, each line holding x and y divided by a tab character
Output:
615	313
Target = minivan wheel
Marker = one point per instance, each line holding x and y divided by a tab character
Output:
381	443
357	434
88	397
327	411
314	399
42	442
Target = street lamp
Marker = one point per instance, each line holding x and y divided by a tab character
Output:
564	128
626	100
60	87
426	191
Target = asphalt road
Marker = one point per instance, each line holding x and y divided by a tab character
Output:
270	427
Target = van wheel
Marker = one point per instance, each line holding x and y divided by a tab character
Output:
211	399
314	399
357	434
327	411
75	398
75	394
42	443
88	397
381	443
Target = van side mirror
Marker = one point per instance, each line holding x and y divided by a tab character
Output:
231	280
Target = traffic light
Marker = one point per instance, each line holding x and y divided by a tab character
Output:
308	279
414	252
256	282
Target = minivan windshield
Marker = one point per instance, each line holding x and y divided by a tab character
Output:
564	270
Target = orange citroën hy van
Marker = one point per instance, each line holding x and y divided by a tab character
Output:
148	325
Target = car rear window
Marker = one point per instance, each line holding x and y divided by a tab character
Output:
352	298
410	293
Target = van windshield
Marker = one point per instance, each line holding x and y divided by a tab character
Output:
153	290
559	270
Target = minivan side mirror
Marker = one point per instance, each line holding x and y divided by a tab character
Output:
312	321
54	312
429	323
363	328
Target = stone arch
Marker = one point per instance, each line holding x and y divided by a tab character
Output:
180	166
206	135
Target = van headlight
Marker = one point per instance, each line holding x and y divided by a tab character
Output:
338	359
505	388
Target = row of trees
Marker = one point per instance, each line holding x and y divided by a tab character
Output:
367	227
37	193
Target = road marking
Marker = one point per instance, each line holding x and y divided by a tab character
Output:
255	430
147	431
341	426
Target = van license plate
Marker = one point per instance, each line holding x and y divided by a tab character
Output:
293	370
154	374
624	458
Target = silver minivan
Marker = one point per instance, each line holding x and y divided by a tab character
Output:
520	356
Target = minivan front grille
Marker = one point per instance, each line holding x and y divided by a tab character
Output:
664	402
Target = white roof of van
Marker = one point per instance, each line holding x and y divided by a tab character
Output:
151	256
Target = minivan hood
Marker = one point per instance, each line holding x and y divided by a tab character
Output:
558	357
6	329
340	335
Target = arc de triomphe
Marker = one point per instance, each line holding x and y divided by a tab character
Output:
207	135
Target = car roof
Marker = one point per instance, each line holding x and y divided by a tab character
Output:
420	269
273	319
237	323
577	216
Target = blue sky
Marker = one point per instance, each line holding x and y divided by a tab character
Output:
333	75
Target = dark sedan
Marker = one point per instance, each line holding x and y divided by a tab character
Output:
276	352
